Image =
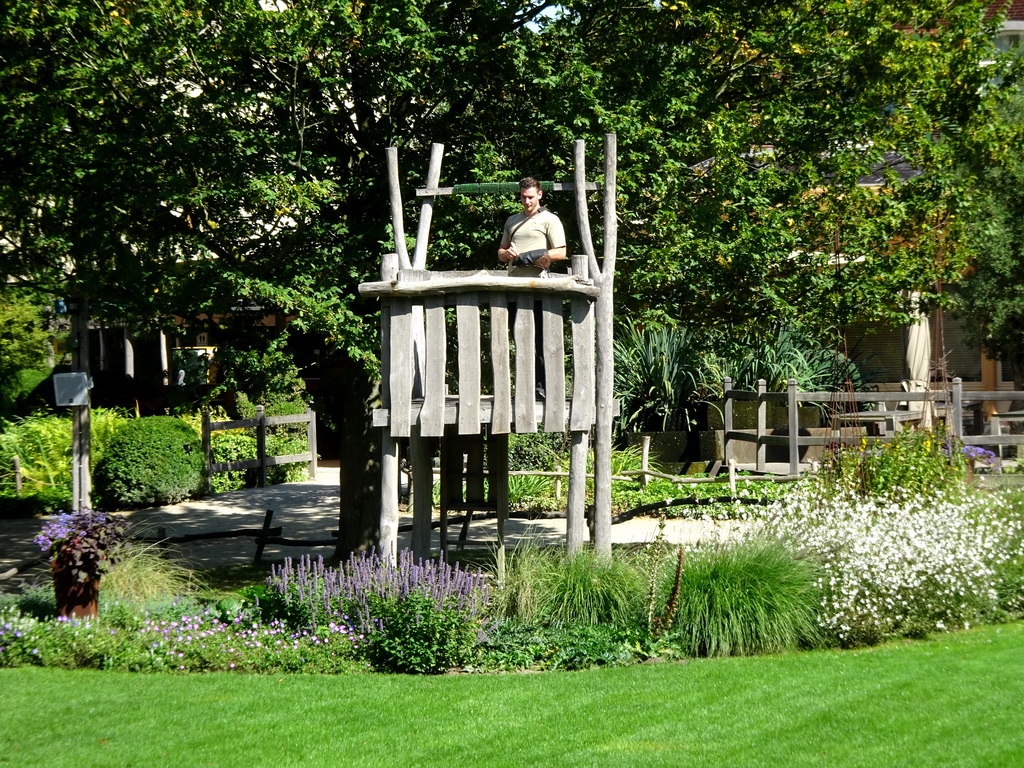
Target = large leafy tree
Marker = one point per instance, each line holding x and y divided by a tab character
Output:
992	295
174	156
747	131
191	156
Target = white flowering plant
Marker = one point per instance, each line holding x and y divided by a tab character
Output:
902	568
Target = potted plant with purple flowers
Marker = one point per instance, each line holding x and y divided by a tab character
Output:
82	546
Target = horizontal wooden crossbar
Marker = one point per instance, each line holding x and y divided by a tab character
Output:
501	188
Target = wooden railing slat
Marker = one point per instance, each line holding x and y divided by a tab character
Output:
401	368
501	415
526	420
554	363
468	318
432	413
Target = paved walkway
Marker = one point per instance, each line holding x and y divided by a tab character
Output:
309	510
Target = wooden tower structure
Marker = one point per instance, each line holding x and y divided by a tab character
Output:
467	406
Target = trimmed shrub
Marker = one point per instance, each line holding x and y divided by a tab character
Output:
45	501
151	461
743	598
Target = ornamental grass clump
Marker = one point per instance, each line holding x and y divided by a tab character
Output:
901	568
738	598
546	586
416	616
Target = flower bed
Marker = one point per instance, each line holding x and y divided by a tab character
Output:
903	568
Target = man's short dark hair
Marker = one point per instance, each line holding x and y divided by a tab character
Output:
529	183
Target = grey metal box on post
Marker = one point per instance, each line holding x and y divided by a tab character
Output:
71	388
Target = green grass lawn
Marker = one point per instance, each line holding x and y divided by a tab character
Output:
955	700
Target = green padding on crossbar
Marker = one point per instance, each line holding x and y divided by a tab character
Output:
496	188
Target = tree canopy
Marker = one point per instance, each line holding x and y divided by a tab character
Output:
992	296
186	156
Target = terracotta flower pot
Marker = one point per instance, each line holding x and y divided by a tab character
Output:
75	599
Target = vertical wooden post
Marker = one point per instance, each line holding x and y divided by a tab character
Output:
397	218
955	425
81	480
104	356
311	441
451	484
645	459
581	416
794	430
605	358
129	354
558	482
497	478
165	359
17	476
419	258
732	477
762	424
423	493
576	534
261	444
727	419
389	467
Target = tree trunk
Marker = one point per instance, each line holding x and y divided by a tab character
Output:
359	513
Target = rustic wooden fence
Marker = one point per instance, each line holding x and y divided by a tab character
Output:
262	460
891	412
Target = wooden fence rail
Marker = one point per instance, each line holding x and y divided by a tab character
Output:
890	418
262	460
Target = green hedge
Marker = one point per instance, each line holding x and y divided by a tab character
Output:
150	461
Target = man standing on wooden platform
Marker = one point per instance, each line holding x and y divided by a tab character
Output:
534	238
530	242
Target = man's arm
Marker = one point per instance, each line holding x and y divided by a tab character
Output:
553	254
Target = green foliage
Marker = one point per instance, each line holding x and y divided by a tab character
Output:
992	299
42	444
548	587
512	646
234	445
44	501
916	462
743	598
287	445
416	636
788	354
250	195
153	460
538	450
531	492
659	373
24	350
144	572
